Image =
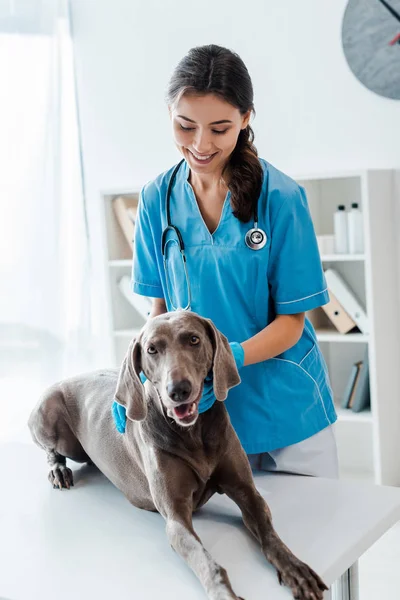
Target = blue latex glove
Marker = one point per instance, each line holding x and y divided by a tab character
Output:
119	412
208	397
238	354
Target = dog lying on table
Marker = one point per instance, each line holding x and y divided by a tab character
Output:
171	459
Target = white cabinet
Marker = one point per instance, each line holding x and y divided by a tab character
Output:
369	442
125	320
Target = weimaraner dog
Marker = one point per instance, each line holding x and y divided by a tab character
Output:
171	459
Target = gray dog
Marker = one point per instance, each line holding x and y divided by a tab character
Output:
171	459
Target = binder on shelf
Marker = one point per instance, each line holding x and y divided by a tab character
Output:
356	382
337	315
362	397
351	386
347	299
126	215
141	304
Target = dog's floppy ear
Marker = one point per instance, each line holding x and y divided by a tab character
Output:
130	390
226	375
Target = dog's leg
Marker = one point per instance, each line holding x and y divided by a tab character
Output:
60	476
49	427
172	485
187	544
235	478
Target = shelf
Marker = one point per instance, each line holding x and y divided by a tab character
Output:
342	257
327	335
347	415
123	262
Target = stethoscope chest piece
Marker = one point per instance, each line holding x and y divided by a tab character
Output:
256	238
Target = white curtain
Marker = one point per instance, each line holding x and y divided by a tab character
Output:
45	331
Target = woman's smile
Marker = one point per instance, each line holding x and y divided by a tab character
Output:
204	159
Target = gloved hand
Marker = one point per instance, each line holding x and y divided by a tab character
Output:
208	397
238	354
119	412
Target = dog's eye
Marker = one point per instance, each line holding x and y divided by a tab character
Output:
194	340
152	349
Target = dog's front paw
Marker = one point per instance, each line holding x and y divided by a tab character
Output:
302	580
61	477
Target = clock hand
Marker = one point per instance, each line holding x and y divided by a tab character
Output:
390	9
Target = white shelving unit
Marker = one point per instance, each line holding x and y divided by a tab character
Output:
368	442
125	321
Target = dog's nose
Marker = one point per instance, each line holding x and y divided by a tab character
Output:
179	391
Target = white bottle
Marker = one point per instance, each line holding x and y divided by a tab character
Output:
355	230
340	230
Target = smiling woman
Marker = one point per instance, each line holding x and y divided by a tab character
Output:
207	145
203	142
192	250
211	124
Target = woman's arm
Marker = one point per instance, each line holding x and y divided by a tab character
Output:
159	307
280	335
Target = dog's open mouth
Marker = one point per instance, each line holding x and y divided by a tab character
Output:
186	413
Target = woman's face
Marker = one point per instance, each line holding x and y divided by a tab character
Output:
206	129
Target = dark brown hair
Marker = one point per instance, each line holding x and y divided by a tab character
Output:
215	70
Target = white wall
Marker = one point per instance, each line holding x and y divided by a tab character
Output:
312	114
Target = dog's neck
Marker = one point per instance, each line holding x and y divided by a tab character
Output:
200	445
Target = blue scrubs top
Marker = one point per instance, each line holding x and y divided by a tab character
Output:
280	401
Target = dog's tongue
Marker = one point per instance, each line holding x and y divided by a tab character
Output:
183	410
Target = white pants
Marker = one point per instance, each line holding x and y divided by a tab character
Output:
315	456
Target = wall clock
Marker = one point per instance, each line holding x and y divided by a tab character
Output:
371	44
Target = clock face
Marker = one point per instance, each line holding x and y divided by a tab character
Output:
371	44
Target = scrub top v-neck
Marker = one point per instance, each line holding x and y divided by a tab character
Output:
280	401
225	206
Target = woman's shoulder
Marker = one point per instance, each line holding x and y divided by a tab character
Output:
278	181
280	191
156	189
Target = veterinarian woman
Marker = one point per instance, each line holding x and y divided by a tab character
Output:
255	288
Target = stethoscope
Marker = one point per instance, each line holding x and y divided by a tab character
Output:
255	239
